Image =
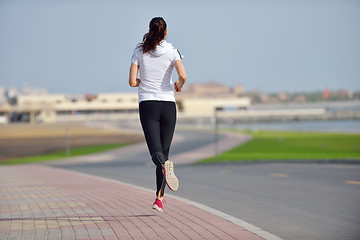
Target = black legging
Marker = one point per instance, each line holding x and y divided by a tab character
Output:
158	119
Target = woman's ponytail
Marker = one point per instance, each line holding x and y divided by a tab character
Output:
156	34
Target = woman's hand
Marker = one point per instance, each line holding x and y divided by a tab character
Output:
137	82
178	86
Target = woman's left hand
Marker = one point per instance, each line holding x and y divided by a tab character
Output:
178	85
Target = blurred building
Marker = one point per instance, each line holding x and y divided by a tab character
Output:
211	89
195	102
50	108
57	107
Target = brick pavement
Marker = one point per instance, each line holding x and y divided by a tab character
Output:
40	202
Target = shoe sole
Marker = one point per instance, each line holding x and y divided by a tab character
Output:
171	180
157	208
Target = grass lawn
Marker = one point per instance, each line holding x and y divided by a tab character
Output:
279	145
77	151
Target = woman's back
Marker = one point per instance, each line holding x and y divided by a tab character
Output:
156	69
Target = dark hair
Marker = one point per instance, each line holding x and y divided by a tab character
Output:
155	35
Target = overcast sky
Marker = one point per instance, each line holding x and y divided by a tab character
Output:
85	46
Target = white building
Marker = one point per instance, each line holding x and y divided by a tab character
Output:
51	108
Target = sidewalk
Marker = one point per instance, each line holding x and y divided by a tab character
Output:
39	202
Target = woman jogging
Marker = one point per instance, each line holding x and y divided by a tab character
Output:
156	59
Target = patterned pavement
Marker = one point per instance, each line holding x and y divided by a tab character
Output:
40	202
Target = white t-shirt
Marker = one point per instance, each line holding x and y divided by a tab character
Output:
156	69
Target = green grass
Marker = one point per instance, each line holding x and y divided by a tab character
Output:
279	145
77	151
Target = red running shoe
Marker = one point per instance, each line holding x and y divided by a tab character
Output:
158	205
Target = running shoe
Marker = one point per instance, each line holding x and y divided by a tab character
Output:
158	205
171	180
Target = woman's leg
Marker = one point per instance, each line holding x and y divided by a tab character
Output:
167	128
150	114
160	182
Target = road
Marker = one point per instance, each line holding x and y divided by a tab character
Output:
292	201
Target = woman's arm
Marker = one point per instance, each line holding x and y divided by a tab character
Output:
182	75
133	80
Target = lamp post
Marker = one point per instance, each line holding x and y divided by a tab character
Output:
217	133
67	142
